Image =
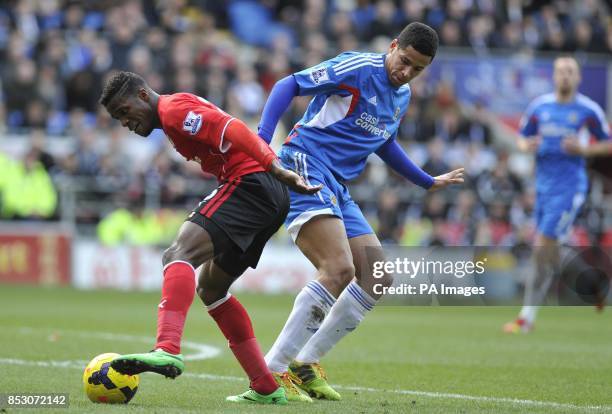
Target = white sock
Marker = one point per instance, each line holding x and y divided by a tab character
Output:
344	317
528	313
310	308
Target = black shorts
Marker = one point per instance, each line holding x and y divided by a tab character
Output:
241	215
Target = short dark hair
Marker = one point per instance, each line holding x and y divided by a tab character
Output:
421	37
121	83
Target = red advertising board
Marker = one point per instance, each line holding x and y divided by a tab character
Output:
42	258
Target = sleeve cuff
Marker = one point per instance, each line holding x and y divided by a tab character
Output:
269	158
430	183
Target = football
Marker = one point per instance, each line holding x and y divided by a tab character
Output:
105	385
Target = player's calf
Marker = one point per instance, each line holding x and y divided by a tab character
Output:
367	284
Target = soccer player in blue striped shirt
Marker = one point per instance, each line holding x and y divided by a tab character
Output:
358	102
556	127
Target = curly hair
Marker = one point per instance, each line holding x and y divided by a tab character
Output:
120	84
421	37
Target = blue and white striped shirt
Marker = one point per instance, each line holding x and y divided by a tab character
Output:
355	110
556	170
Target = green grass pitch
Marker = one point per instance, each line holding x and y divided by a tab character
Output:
400	360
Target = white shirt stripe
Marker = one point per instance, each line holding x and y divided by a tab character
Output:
593	106
356	59
333	110
348	69
360	56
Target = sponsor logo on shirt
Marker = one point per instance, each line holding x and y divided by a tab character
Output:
372	100
551	129
319	75
370	124
192	123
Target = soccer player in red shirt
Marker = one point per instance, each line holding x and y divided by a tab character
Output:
225	233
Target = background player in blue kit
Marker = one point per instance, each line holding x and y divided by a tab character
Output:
359	101
556	127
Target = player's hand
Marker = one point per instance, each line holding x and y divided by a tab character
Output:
572	146
529	144
444	180
294	181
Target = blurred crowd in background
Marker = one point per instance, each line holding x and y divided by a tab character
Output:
81	166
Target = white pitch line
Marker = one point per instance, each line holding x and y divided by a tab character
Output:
50	364
202	351
516	401
441	395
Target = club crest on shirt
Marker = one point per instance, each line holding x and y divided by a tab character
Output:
192	123
572	117
319	75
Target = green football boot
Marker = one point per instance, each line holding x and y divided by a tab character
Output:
158	361
253	397
287	382
314	381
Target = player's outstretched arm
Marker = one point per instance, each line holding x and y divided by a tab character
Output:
444	180
241	138
279	100
292	180
394	156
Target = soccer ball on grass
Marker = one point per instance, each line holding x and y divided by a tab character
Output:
105	385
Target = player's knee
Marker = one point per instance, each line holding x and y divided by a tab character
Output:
345	273
179	252
340	274
170	255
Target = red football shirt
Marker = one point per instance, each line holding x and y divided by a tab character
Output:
196	128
